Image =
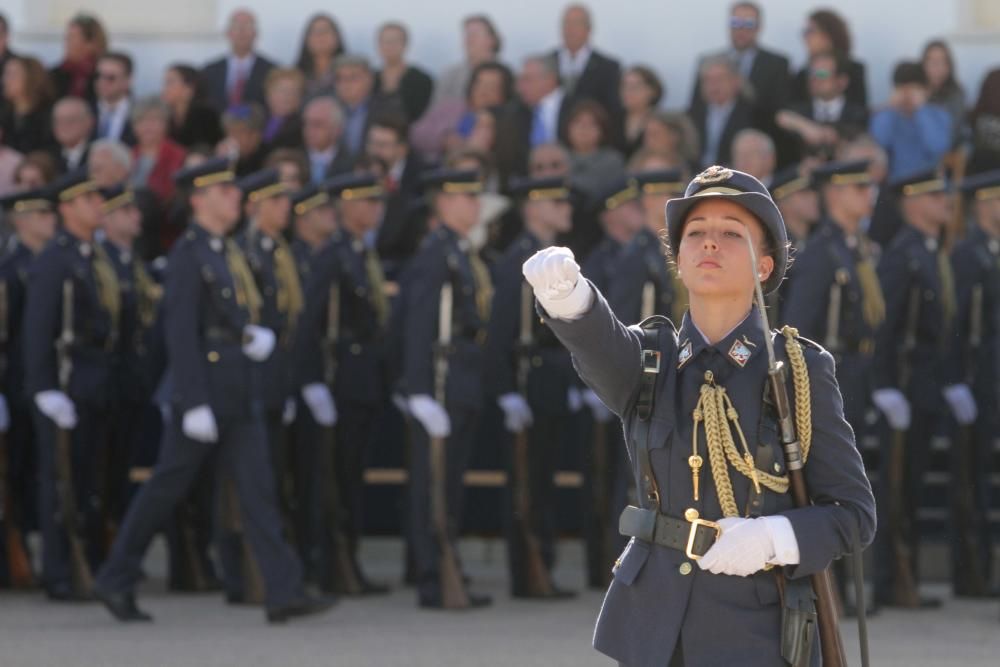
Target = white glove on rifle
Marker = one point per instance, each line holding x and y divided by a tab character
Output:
320	401
555	276
431	415
259	342
516	412
574	400
600	411
4	415
289	412
57	406
961	402
894	406
199	424
400	402
746	546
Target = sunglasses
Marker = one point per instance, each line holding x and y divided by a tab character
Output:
821	74
742	24
547	166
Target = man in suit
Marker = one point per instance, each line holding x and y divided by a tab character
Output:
72	127
114	103
238	77
356	92
586	73
721	111
322	131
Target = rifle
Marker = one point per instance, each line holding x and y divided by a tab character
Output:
453	594
253	581
832	339
83	581
343	565
904	582
831	644
539	583
18	562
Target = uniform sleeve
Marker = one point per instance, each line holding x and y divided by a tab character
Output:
182	304
835	476
605	352
966	271
809	292
42	324
307	353
894	277
505	323
422	297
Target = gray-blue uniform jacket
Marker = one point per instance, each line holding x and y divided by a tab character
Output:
828	260
641	261
976	262
14	264
658	598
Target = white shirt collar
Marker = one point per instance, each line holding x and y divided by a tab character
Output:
829	109
574	64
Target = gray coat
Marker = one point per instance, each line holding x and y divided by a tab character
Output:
718	619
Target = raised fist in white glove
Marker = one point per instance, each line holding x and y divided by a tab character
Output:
57	406
747	546
600	411
258	342
431	415
4	415
199	424
516	412
320	401
961	402
894	406
555	277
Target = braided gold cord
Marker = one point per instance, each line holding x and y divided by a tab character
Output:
800	380
716	457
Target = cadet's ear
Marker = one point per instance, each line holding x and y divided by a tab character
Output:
765	267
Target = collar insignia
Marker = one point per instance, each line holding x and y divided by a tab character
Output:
740	353
684	356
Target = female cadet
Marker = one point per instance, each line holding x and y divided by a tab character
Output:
702	439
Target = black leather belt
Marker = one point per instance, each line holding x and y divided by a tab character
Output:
694	537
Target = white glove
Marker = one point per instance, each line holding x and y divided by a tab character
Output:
746	546
961	402
516	412
894	406
555	277
574	400
431	415
4	415
259	342
600	411
400	402
56	405
317	396
288	414
199	424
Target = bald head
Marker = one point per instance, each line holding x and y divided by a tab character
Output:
576	27
322	123
753	153
72	121
242	32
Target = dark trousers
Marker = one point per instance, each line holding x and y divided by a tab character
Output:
243	456
354	429
975	494
86	442
458	446
542	456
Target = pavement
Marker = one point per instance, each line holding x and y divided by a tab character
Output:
201	631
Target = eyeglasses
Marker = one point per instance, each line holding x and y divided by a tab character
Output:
821	74
737	23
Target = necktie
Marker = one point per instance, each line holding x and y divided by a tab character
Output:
947	291
317	168
104	125
108	291
247	295
539	135
239	83
290	299
376	287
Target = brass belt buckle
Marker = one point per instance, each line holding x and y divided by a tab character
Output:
694	532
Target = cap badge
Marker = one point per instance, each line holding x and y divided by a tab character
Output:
714	174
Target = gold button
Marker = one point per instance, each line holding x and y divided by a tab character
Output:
685	568
777	467
213	357
226	292
691	514
355	349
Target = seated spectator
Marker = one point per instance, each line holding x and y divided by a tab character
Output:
5	52
753	153
409	87
284	89
356	92
322	44
944	88
83	43
592	158
237	79
826	32
915	133
109	164
482	44
114	97
548	160
157	158
191	121
36	170
722	111
27	103
72	127
322	131
985	121
292	167
672	133
820	123
641	93
243	138
9	160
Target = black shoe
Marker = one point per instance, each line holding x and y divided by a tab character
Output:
476	601
122	606
307	606
371	588
66	594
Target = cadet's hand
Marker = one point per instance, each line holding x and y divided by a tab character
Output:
516	412
574	401
258	342
431	415
56	405
199	424
4	415
400	402
894	406
747	546
600	411
288	414
320	401
961	402
555	277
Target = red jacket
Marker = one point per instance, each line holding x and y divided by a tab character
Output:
161	178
